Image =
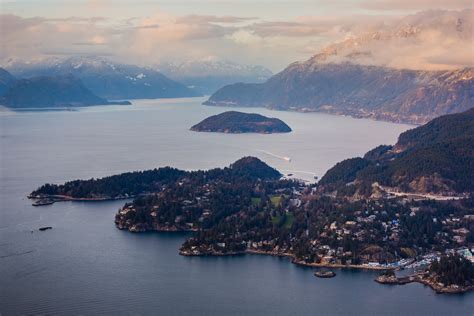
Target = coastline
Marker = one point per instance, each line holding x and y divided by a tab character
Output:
423	278
367	116
140	229
41	200
418	278
227	131
290	256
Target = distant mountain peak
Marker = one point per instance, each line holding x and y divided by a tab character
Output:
417	41
210	74
106	78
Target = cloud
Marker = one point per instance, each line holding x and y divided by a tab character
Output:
32	37
267	29
431	39
245	37
204	19
410	5
427	40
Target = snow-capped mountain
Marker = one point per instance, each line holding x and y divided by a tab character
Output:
105	78
429	39
206	76
400	70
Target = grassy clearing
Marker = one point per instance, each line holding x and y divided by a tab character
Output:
409	252
276	200
256	201
289	219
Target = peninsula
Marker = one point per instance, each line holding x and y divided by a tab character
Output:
239	122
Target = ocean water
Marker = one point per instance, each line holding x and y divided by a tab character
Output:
84	265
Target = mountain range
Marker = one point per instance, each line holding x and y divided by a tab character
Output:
358	90
105	78
207	76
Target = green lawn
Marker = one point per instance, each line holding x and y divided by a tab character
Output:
256	201
276	200
290	218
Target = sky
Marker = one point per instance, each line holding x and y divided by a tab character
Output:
272	33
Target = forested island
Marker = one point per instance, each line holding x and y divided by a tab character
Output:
239	122
408	205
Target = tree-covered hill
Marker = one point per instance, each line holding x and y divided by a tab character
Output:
149	181
238	122
434	158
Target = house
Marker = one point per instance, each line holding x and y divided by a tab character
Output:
326	259
461	231
295	202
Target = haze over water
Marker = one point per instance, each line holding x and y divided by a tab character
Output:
85	265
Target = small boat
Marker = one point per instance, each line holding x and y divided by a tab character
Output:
287	159
325	274
290	175
45	228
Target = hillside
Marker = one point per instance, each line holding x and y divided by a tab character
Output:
357	90
238	122
434	158
59	91
107	79
6	80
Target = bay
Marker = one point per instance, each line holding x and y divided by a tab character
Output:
84	265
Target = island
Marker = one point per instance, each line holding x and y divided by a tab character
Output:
404	206
239	122
324	274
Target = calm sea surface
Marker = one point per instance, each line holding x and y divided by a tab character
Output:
84	265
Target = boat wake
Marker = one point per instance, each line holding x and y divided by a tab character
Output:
276	156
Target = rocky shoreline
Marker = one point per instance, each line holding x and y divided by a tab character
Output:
41	200
123	225
422	278
288	255
425	279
